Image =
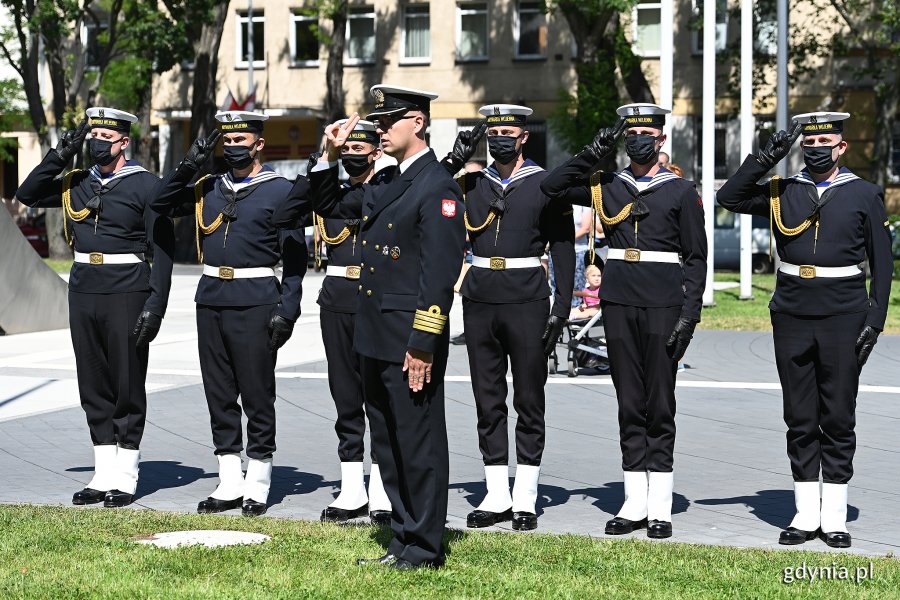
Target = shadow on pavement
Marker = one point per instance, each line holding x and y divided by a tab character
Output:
288	481
775	507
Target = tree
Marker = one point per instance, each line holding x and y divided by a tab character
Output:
601	48
335	11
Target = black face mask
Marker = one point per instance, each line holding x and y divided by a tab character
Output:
503	148
101	151
641	148
238	157
818	158
355	164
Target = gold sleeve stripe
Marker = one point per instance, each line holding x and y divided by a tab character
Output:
430	321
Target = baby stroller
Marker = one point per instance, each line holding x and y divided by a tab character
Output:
582	350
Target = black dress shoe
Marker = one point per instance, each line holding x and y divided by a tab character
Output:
621	526
117	499
659	529
381	560
214	505
88	496
401	564
332	514
486	518
836	539
380	517
524	521
793	536
252	508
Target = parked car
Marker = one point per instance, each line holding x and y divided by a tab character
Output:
727	239
35	231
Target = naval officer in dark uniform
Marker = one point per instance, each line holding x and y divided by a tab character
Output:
653	285
412	237
337	301
116	300
507	313
827	221
244	226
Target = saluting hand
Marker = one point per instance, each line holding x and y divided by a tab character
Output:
146	328
201	150
464	148
864	345
71	140
680	338
417	366
779	145
604	143
336	136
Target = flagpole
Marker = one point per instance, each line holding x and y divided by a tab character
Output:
249	46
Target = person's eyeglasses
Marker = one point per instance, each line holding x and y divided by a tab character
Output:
386	122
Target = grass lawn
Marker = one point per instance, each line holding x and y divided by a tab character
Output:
48	552
59	265
753	315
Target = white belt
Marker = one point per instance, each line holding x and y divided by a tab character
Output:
812	271
498	263
229	273
99	258
635	255
350	272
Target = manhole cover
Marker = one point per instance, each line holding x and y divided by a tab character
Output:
211	538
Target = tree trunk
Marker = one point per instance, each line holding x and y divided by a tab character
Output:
334	73
206	66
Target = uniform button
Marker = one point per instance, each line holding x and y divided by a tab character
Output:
360	288
364	242
390	225
365	217
377	247
371	269
362	264
368	292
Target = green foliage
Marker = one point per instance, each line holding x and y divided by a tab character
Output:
11	99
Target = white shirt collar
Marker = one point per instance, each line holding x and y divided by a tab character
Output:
406	163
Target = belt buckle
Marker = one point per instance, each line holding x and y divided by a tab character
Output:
353	272
807	272
498	263
632	255
226	273
96	258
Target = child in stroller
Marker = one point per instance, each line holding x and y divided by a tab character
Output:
584	351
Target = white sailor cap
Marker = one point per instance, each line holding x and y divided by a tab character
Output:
822	122
363	132
240	120
392	99
110	118
643	114
505	114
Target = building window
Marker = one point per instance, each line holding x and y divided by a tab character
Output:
304	40
91	34
720	137
765	41
721	26
416	43
259	40
471	31
360	36
646	30
531	31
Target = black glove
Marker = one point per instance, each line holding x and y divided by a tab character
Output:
680	338
146	328
201	150
779	145
605	141
464	148
551	333
280	330
70	141
864	344
312	162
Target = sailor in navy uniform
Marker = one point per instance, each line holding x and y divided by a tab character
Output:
507	313
653	285
245	225
827	221
337	300
116	300
412	238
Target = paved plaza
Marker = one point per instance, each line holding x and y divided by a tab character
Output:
732	478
